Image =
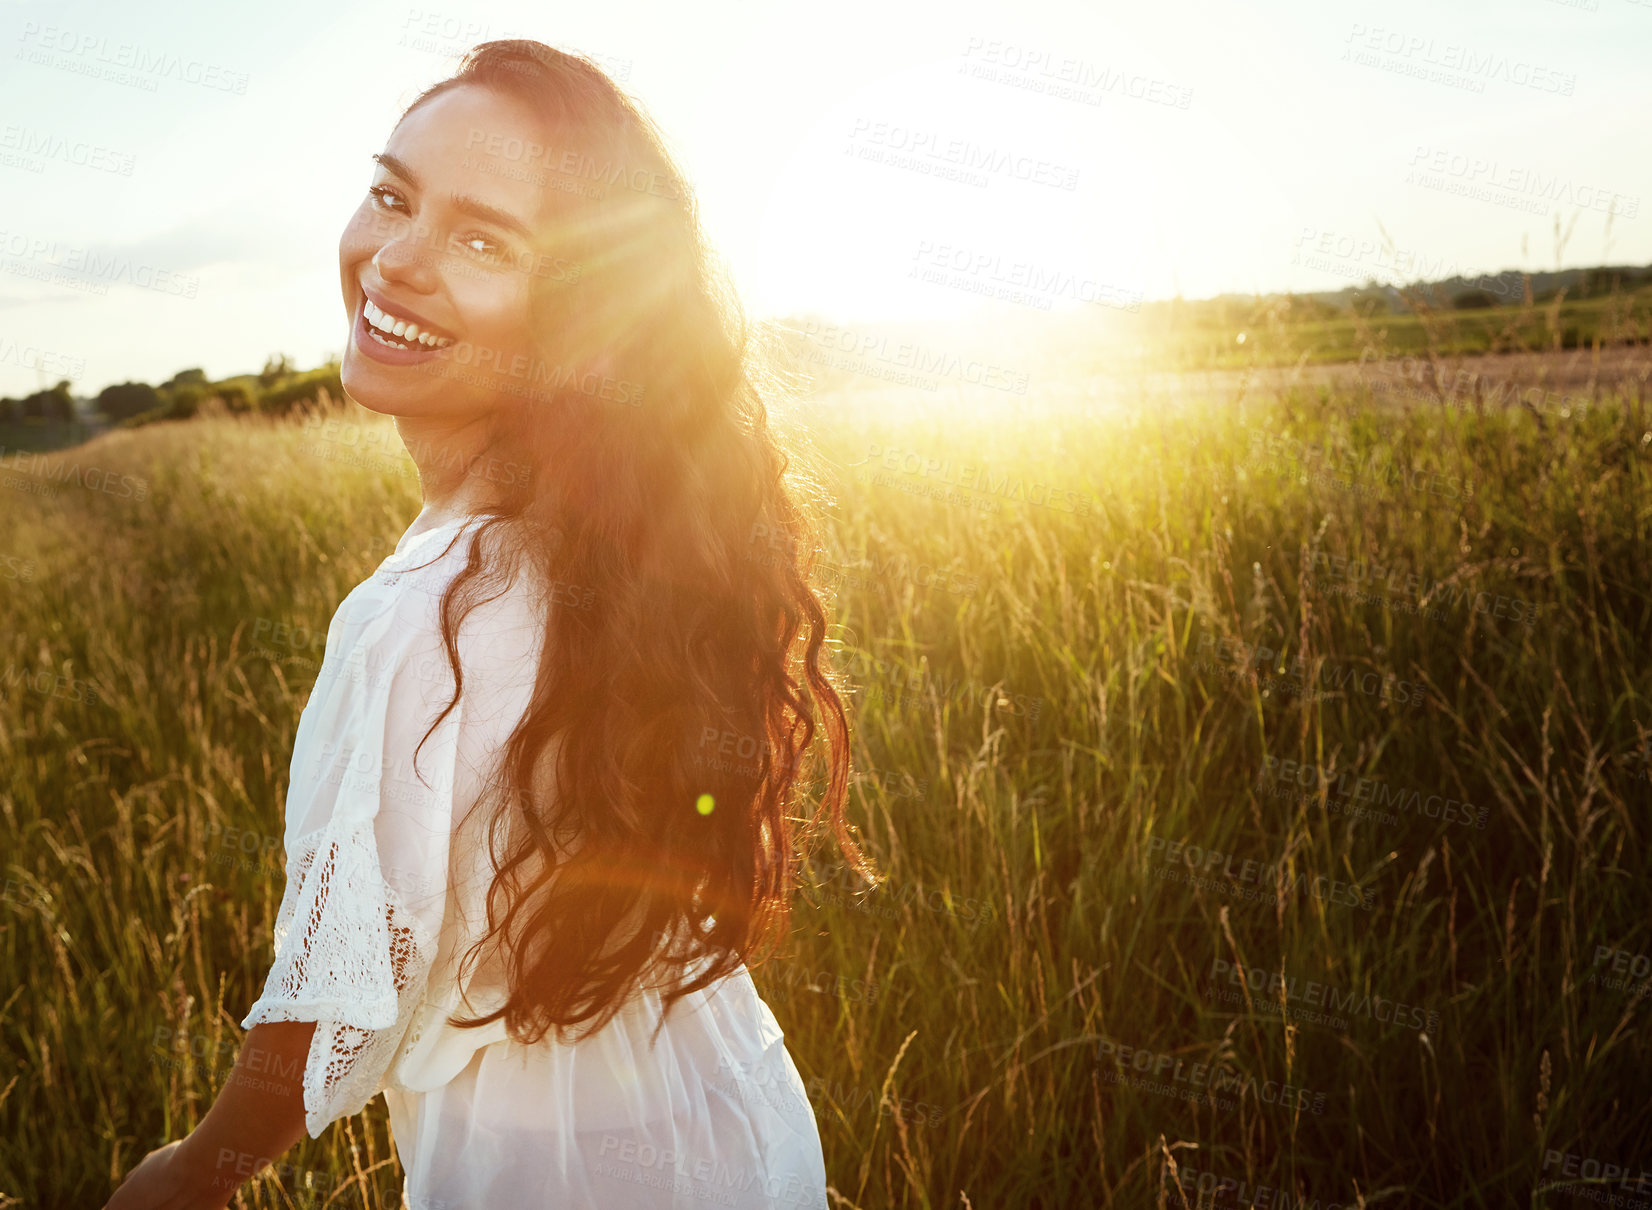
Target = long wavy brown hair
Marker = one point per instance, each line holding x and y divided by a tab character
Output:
678	713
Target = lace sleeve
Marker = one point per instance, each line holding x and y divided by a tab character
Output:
367	840
369	831
351	957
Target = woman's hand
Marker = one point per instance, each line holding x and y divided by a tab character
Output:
259	1112
165	1180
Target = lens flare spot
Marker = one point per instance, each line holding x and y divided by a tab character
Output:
705	804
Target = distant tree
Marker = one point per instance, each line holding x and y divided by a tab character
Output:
275	369
185	377
1473	300
54	404
60	403
1305	307
186	401
127	399
234	396
8	410
303	390
1598	282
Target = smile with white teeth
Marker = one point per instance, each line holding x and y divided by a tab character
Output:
406	334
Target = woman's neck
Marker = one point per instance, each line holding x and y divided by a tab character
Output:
451	458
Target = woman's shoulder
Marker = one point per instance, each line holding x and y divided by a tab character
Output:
423	565
396	612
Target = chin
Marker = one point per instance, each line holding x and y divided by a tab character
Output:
392	390
369	389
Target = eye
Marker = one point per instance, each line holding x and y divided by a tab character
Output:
488	250
382	195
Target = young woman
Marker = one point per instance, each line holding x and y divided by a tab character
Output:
542	798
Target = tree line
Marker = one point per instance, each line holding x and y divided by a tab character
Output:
277	389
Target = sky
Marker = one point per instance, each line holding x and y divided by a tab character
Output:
174	176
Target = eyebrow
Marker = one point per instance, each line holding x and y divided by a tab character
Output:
463	202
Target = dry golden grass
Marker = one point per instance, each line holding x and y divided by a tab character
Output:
1060	680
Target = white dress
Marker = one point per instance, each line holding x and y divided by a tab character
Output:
385	891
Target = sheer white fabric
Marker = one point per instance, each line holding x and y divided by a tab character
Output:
386	890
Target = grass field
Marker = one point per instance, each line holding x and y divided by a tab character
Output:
1209	335
1263	794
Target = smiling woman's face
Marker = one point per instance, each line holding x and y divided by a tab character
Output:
452	237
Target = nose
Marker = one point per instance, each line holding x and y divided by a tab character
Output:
405	258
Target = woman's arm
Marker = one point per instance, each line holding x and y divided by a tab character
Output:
259	1113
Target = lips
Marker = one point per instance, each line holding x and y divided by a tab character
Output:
403	323
389	351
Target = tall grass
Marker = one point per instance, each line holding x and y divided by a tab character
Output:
1059	681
